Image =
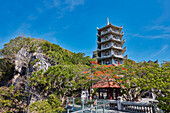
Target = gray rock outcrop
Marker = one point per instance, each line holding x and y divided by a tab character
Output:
27	62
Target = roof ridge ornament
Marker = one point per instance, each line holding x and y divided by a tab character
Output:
107	21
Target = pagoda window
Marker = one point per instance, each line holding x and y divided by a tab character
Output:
106	38
116	52
105	31
106	53
106	45
115	44
113	30
117	37
107	62
114	37
116	61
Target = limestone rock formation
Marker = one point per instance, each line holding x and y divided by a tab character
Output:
23	64
27	62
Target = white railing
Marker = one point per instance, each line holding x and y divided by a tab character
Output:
105	40
110	105
104	48
108	30
106	56
119	56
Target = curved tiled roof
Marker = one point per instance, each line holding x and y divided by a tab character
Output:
106	83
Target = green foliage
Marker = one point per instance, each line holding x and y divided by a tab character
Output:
55	53
12	100
63	79
11	49
49	105
41	107
55	103
60	56
164	85
136	79
143	77
9	53
6	71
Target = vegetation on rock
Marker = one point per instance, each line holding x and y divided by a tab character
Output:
68	74
63	78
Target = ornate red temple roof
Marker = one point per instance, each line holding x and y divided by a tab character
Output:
106	83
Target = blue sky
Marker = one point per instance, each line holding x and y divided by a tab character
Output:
72	24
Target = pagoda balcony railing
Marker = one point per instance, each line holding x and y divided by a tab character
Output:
109	56
106	56
102	33
114	39
98	57
110	47
118	56
109	31
115	31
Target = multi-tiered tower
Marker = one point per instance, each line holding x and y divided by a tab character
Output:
109	41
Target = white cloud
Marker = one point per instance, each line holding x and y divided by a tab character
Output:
71	4
49	3
62	6
164	29
161	36
23	29
165	47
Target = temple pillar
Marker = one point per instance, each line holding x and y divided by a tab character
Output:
117	92
99	93
107	93
111	93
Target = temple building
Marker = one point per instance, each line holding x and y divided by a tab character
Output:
110	43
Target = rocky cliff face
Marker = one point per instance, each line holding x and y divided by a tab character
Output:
27	62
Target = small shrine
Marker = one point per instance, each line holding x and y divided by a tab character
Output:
107	87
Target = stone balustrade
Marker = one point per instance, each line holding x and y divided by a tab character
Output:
112	105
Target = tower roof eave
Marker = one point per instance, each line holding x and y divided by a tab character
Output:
112	40
122	42
124	49
113	47
125	58
111	32
113	56
110	25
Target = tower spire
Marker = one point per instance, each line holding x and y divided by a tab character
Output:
107	21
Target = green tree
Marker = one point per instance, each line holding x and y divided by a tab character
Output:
61	80
41	107
12	100
137	79
49	105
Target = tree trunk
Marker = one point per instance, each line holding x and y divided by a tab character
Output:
63	99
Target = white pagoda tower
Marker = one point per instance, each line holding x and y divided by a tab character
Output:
110	43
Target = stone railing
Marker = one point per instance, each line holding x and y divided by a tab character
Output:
136	107
96	106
